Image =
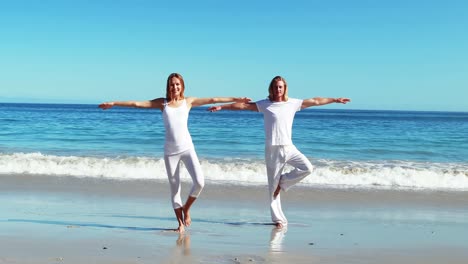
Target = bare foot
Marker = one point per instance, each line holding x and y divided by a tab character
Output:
180	229
279	225
179	212
277	191
187	218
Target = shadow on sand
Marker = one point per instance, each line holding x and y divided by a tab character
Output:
76	224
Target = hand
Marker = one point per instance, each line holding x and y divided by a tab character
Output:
342	100
106	105
242	100
214	108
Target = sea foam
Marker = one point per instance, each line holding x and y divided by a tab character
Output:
327	173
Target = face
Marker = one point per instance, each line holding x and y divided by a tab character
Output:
175	87
278	90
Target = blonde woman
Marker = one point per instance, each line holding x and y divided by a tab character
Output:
178	145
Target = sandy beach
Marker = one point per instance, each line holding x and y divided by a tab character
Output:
87	220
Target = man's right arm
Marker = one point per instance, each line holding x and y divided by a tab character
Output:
235	106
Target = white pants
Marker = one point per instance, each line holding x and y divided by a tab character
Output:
190	160
276	158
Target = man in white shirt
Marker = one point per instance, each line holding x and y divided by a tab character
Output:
278	112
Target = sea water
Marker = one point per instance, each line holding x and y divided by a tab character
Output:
349	148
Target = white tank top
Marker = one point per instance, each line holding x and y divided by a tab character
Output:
178	138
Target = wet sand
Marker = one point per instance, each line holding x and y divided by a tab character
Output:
50	219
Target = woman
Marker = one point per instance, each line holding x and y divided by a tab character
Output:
178	145
278	113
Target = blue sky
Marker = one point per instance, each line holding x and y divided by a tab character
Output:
398	55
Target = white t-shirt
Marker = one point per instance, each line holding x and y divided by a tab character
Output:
278	120
178	138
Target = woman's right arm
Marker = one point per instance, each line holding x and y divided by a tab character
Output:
235	106
155	103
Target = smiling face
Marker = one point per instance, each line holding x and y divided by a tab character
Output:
175	87
278	90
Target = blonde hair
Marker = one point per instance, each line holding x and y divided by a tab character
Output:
273	83
178	76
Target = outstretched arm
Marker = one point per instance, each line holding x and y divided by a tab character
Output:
213	100
323	101
236	106
155	103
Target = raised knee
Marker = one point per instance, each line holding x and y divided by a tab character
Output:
201	185
197	188
309	169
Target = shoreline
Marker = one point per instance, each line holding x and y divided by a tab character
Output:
225	192
77	220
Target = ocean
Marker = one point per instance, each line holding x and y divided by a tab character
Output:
351	149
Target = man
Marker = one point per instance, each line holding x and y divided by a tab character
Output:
278	113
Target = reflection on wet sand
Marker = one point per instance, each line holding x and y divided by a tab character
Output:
276	239
181	251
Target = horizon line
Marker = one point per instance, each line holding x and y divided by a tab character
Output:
321	108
